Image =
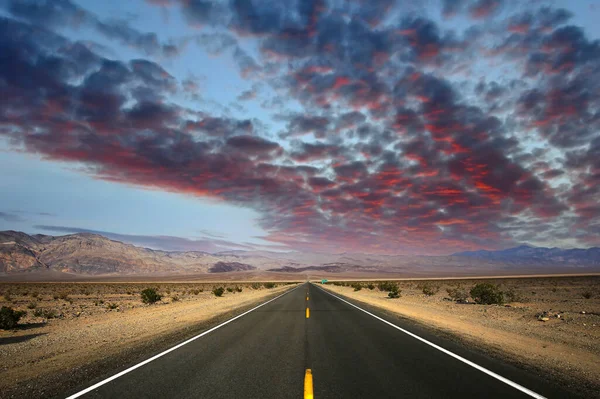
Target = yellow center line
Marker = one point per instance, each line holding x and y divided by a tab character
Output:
307	313
308	385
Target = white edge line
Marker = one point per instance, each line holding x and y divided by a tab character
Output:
130	369
447	352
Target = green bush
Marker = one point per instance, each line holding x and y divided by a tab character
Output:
387	286
394	294
238	288
458	293
269	285
229	289
9	318
149	295
487	294
371	286
429	289
218	291
357	286
255	286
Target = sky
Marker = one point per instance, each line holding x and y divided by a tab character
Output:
387	127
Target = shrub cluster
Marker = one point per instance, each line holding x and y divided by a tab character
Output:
428	288
9	318
487	294
357	286
149	295
269	285
387	286
218	291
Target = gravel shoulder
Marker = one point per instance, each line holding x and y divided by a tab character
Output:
87	341
563	347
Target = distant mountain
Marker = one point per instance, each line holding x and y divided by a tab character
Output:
526	254
92	254
225	267
85	253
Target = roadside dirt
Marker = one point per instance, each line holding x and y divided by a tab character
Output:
549	325
96	329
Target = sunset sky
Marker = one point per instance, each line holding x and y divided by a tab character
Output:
392	127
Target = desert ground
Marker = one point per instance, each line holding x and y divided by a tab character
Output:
75	332
550	325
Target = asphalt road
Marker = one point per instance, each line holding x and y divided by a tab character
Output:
265	354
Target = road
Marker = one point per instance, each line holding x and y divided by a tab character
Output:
350	354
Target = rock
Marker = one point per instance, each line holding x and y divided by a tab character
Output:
544	318
582	312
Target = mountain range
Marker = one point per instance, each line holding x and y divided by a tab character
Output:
88	254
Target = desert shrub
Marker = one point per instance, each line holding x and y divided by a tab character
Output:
112	306
196	291
8	296
357	286
175	299
55	296
149	295
395	293
229	289
457	293
218	291
64	296
31	305
428	289
35	294
387	286
587	295
487	294
269	285
9	318
371	286
255	286
238	288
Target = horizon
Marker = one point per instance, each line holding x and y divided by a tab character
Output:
319	126
103	235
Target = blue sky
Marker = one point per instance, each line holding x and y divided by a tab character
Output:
385	127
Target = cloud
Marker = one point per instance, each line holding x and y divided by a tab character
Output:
10	217
384	133
61	13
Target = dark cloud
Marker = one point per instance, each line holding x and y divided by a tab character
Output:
10	217
389	140
61	13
